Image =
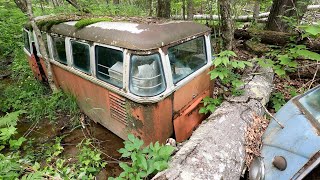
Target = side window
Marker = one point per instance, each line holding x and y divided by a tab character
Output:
26	40
109	65
59	49
81	56
146	75
187	57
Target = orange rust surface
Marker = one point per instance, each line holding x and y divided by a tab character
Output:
189	118
150	122
156	121
44	67
92	99
34	67
191	90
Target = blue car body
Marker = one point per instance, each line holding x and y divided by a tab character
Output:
298	142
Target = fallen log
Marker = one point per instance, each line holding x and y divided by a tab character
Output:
216	150
276	38
244	18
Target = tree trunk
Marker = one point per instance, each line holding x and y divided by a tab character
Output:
150	7
293	9
116	1
184	9
75	4
42	46
226	24
22	5
276	38
216	149
256	10
164	8
190	9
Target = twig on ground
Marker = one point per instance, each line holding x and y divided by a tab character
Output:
272	116
314	76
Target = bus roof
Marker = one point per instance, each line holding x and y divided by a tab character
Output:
132	35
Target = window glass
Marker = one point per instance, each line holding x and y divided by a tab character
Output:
146	75
81	56
26	41
187	57
109	65
59	49
311	102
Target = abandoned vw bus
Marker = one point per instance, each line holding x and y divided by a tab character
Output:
292	152
147	79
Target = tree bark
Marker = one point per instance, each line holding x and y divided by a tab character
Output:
150	7
184	9
216	150
256	10
190	9
226	24
41	45
289	8
22	5
276	38
75	4
164	8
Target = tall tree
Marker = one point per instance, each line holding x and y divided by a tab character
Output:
22	5
293	9
226	25
256	10
42	46
184	9
164	8
190	9
150	7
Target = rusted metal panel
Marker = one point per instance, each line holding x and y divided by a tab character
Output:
152	122
189	118
137	36
34	67
191	90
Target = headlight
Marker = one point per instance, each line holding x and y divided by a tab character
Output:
256	171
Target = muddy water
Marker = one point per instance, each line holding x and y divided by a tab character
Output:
103	139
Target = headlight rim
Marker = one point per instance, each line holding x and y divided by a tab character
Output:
257	161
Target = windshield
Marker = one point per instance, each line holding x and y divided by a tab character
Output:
146	75
311	102
187	57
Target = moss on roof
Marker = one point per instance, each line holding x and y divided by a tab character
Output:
85	22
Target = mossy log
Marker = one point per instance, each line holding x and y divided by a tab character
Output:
276	38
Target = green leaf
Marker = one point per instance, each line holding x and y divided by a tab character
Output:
160	165
131	137
225	61
309	55
15	144
217	61
214	74
166	151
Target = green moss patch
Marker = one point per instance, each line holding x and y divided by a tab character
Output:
85	22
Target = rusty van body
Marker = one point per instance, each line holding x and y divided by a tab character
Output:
144	79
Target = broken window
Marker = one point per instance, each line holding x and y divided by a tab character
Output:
59	49
146	75
311	102
187	57
109	65
81	56
26	40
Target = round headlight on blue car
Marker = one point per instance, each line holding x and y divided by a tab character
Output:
256	169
